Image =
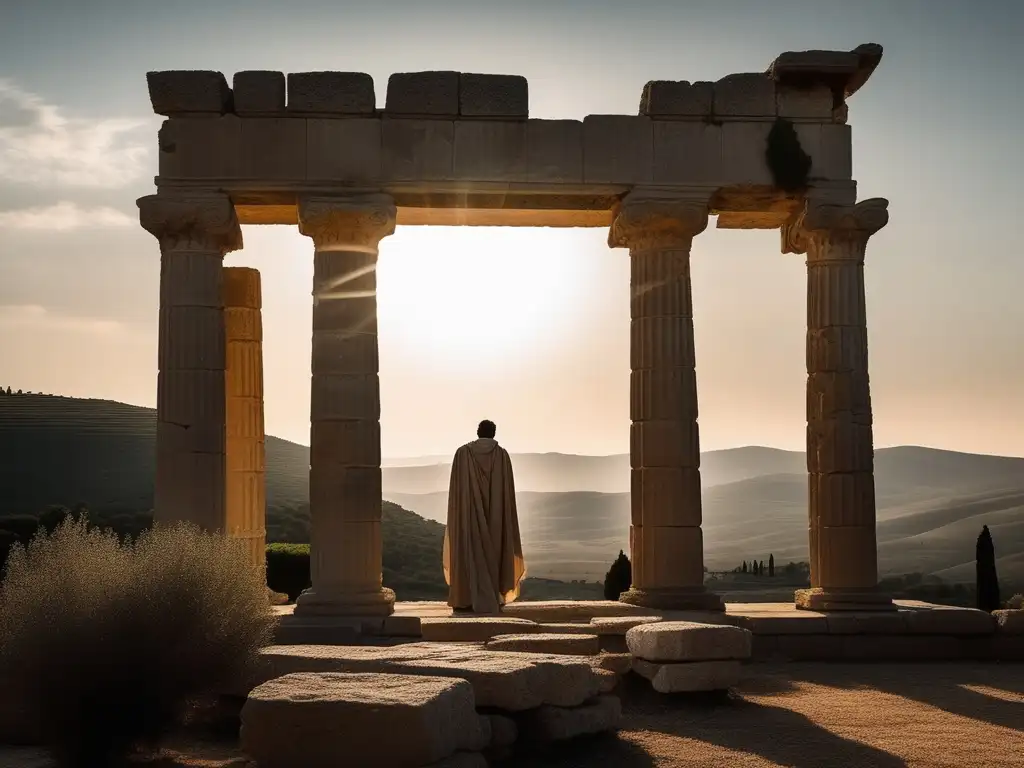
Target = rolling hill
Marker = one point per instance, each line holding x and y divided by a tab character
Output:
574	510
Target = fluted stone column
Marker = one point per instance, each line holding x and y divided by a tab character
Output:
666	544
344	455
840	455
195	232
245	485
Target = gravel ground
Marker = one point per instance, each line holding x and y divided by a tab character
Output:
797	715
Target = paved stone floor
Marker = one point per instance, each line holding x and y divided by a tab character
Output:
954	715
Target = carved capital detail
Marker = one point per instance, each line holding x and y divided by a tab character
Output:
835	231
644	223
191	222
354	223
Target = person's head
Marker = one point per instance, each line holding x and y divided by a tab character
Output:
486	429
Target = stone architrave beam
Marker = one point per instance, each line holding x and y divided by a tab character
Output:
666	543
194	233
840	453
344	455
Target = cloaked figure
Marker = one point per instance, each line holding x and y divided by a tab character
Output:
483	553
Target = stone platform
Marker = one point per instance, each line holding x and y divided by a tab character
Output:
916	631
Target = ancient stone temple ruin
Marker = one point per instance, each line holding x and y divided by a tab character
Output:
762	150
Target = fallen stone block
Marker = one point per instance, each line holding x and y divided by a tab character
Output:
567	628
559	723
620	625
689	677
504	731
607	679
473	629
619	663
568	645
504	680
688	641
330	719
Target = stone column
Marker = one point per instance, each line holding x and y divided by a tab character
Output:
195	231
666	544
245	486
344	454
840	456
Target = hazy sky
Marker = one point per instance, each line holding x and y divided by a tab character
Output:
530	327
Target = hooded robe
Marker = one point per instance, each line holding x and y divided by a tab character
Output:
483	555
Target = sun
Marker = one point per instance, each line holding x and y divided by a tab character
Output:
467	293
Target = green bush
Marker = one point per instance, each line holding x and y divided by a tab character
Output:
104	644
288	568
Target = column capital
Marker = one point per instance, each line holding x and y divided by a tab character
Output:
643	221
835	224
205	222
350	223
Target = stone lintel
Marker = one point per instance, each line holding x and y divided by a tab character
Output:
193	221
182	92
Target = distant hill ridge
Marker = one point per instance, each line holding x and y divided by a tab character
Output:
574	509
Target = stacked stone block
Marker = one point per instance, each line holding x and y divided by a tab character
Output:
245	484
686	657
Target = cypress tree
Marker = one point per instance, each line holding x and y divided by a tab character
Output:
987	579
619	577
744	566
771	565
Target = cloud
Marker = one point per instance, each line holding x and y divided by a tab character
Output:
39	145
63	217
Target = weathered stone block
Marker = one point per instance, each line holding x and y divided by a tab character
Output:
346	443
664	443
352	562
274	148
671	641
950	620
687	152
554	151
345	397
258	92
661	341
547	611
689	677
663	393
669	496
743	153
672	557
200	147
325	719
748	94
508	681
489	151
830	148
814	103
423	93
503	96
620	625
619	663
352	493
552	723
676	98
334	93
617	149
476	629
182	92
241	287
343	150
846	557
418	150
566	644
